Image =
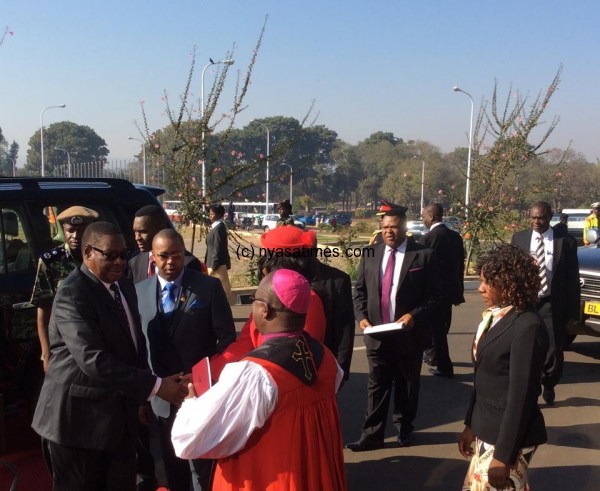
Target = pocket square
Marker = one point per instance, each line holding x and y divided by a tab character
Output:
196	304
414	270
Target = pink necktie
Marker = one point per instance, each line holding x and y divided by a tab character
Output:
386	287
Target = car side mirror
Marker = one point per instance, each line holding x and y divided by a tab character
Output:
592	235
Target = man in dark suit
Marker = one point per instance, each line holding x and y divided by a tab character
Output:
98	377
217	257
148	221
450	251
559	296
398	281
185	317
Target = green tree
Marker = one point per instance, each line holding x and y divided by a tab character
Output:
502	149
81	141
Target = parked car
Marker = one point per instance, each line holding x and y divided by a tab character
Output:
340	219
589	279
28	228
269	222
416	229
453	223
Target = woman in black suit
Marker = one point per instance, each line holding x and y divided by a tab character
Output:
504	420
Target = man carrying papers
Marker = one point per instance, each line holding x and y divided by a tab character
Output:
272	419
398	281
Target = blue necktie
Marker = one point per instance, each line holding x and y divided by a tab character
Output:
169	298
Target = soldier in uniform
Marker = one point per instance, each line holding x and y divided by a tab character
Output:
285	210
55	265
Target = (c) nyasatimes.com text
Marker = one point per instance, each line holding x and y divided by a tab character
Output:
317	252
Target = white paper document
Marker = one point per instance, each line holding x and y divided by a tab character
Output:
392	326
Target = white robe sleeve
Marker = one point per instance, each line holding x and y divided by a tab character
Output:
219	422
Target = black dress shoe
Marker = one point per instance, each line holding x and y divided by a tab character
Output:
364	446
435	372
549	395
404	438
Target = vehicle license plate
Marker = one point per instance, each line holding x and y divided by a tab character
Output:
591	308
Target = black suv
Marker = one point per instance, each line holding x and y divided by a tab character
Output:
28	227
589	279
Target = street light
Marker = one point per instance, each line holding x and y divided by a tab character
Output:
268	155
61	106
68	160
227	62
422	177
143	157
467	190
291	184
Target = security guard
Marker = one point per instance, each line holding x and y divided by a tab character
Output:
591	221
55	265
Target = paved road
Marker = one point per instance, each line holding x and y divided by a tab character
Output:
569	461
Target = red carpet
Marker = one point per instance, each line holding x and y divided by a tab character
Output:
32	471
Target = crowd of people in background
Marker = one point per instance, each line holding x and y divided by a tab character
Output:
120	336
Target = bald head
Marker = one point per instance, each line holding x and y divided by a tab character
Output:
432	213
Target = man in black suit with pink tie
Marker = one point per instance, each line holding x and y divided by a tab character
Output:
398	281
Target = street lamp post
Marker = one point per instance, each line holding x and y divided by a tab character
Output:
143	157
61	106
228	62
14	161
291	184
468	188
422	181
68	160
268	156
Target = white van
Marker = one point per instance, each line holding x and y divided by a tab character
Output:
576	221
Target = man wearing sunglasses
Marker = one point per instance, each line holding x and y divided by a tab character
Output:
98	377
185	317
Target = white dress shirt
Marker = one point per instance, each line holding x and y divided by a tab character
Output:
400	251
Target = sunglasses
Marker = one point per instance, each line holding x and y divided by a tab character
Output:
111	256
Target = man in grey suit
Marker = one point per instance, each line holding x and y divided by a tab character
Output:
559	296
185	317
98	377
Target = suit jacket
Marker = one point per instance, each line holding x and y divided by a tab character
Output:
450	252
201	325
96	379
335	289
419	291
138	265
217	251
565	289
510	357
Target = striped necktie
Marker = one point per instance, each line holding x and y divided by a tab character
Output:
540	256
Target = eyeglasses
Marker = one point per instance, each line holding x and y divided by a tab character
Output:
111	256
255	299
165	256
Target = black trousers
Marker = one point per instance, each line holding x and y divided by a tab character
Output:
389	370
182	475
439	354
78	469
146	469
555	359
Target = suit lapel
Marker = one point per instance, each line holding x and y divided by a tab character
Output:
378	260
409	257
496	331
558	243
182	301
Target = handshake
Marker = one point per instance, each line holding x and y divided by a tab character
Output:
174	388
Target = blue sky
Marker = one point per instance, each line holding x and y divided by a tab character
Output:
378	65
